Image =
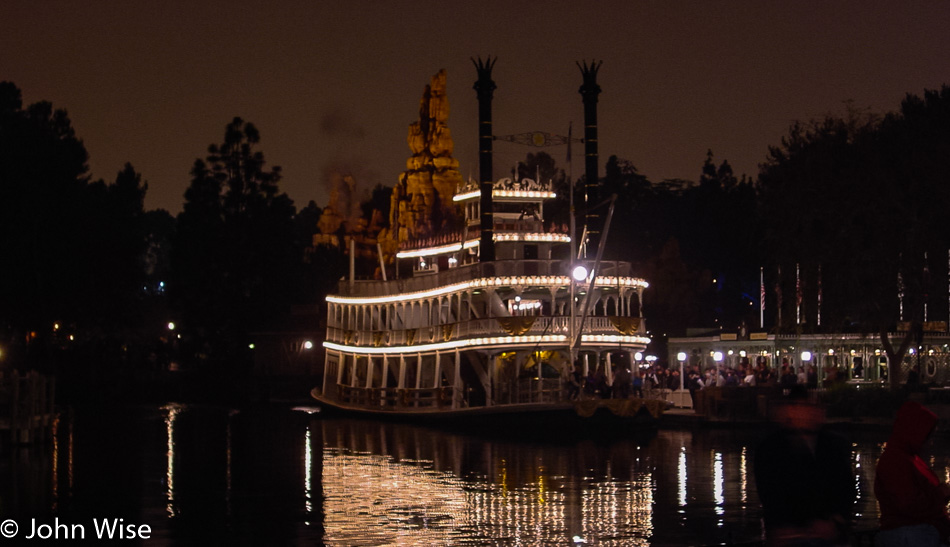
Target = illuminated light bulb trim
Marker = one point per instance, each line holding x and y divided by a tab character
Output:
430	251
399	297
532	194
457	344
507	281
535	237
510	341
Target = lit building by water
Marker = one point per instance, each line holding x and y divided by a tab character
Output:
855	358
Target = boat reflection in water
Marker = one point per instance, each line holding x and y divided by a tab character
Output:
406	485
202	474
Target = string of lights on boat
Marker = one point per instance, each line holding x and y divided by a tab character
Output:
535	237
528	194
486	282
507	341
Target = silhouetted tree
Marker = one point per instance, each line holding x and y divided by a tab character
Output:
865	198
236	256
674	300
43	173
307	220
159	230
115	249
543	167
630	235
71	248
540	166
717	232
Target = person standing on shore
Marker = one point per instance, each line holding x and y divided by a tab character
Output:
804	478
913	501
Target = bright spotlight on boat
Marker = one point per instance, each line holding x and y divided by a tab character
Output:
579	273
308	345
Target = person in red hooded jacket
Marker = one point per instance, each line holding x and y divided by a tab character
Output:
912	500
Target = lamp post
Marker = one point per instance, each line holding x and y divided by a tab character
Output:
681	357
578	275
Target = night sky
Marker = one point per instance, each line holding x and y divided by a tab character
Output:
336	84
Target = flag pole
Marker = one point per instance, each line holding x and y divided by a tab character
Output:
798	295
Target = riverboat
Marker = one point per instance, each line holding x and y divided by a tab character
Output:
503	319
515	338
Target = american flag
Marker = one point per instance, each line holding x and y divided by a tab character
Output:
778	287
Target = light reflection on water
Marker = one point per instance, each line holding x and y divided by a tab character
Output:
172	414
412	486
273	476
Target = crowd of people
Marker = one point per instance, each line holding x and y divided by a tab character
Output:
627	380
746	374
624	381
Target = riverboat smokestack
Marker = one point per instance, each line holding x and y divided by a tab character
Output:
485	88
589	91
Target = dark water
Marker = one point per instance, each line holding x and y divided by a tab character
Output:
209	475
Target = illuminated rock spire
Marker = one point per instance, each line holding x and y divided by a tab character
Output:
422	203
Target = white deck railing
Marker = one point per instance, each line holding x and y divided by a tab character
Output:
476	328
499	268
